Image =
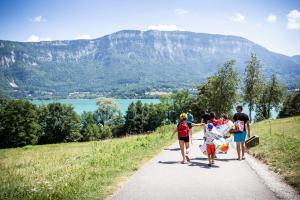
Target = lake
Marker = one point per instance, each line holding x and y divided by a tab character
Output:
81	105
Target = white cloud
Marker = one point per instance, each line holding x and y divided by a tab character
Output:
293	20
83	37
272	18
238	17
258	24
35	38
180	11
38	19
165	27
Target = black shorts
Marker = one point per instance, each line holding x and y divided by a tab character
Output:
185	139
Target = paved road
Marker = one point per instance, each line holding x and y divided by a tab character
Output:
164	177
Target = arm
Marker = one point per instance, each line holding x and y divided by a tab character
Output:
199	124
248	129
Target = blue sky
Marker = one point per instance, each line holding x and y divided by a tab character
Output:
272	24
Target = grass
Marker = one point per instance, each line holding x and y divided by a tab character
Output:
89	170
280	147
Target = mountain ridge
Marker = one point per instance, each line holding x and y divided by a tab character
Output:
129	63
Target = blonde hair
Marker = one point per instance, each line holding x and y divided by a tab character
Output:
183	116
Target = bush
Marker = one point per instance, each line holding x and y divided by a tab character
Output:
18	124
105	132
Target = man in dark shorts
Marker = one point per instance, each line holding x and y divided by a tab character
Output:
206	116
240	137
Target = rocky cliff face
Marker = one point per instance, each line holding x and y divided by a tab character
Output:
129	60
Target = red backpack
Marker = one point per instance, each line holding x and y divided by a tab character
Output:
183	129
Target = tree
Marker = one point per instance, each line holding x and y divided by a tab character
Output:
129	118
88	127
253	83
291	105
18	124
60	124
270	99
219	93
108	111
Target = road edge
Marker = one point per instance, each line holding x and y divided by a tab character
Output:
272	180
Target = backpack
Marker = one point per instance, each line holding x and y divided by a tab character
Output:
239	126
183	129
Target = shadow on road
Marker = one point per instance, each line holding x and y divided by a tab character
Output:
169	162
202	165
217	159
174	149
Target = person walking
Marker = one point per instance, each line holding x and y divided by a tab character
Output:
182	130
190	120
241	120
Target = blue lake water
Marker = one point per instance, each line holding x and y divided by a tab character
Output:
81	105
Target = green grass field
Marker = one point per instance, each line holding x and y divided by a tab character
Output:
280	147
89	170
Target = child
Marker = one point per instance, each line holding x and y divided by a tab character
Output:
183	136
210	146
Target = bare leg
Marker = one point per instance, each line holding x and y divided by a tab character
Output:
209	159
187	146
181	145
238	149
243	149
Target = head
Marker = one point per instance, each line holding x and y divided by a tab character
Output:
239	109
224	116
189	111
207	111
210	126
183	116
212	115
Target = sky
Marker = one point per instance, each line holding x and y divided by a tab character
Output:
274	24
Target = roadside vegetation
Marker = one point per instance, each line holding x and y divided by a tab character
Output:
280	147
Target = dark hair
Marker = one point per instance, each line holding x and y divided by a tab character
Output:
239	107
212	115
224	116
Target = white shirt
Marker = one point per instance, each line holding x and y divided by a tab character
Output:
210	136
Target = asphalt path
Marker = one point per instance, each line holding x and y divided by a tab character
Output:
164	177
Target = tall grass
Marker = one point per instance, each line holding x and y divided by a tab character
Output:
75	170
280	147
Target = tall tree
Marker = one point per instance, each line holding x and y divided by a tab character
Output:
18	124
60	123
291	105
253	86
219	93
108	110
270	99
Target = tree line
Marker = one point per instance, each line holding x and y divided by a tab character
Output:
22	123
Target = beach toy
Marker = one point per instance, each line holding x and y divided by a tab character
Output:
222	145
225	128
203	148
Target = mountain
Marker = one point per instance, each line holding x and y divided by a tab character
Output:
296	59
128	63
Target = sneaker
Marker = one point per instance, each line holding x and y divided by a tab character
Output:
209	165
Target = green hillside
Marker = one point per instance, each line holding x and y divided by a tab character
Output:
87	170
280	147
